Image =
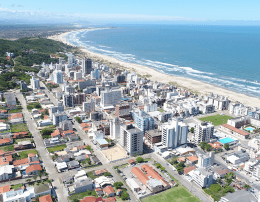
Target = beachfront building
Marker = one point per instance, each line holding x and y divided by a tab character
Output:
131	138
95	74
203	132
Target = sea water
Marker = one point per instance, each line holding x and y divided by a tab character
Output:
225	56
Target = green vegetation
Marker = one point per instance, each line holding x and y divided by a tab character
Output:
57	148
118	185
46	133
16	186
83	195
78	119
205	146
216	119
91	175
19	109
51	86
216	191
192	130
7	148
147	159
16	128
24	154
34	105
139	159
107	174
123	166
160	110
180	167
176	194
226	146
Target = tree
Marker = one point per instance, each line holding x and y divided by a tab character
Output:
28	180
88	161
48	181
88	147
75	200
35	177
40	175
139	159
118	185
106	174
158	165
46	133
208	147
78	119
124	196
226	146
162	168
192	130
42	116
203	145
219	181
246	186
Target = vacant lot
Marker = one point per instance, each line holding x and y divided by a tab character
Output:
16	128
216	119
176	194
7	148
114	153
57	148
24	154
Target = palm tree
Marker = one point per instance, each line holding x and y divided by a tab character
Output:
35	177
40	175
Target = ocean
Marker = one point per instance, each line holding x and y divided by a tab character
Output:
225	56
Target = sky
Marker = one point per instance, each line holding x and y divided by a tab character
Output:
113	11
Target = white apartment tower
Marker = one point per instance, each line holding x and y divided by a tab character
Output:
174	134
35	83
203	132
206	160
110	97
131	139
115	128
58	76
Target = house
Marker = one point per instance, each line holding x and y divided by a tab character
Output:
61	166
6	172
181	159
82	184
99	172
235	131
111	199
188	169
20	135
95	159
73	164
42	189
119	192
98	191
6	141
46	198
5	188
19	194
33	169
109	191
56	133
216	145
192	159
24	145
220	173
103	181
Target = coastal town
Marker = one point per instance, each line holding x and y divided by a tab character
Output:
81	130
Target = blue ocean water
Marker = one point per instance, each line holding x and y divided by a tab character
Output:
225	56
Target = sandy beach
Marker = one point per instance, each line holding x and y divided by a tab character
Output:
190	84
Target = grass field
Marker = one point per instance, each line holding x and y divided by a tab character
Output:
176	194
24	154
57	148
7	148
216	119
16	128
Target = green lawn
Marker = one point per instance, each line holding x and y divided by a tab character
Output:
16	128
7	148
91	175
16	186
19	109
176	194
83	195
124	165
216	119
57	148
160	110
24	154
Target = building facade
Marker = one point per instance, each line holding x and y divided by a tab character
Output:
203	132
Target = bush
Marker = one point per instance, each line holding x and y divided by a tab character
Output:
106	174
215	188
118	185
139	159
78	119
46	133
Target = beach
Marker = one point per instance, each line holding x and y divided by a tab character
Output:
193	85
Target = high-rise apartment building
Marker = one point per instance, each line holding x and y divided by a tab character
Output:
89	106
68	100
58	76
143	121
87	66
115	128
79	98
123	110
59	117
131	138
174	134
203	132
110	97
35	83
206	160
54	109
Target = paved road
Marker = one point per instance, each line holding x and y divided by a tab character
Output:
40	147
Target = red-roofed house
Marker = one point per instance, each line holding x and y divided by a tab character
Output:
188	169
56	133
68	132
192	159
33	169
46	198
20	135
216	145
15	116
6	160
6	141
109	191
4	189
88	199
111	199
235	131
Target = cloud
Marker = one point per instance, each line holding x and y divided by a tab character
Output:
13	5
20	6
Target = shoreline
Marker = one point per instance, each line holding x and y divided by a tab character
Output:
154	75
